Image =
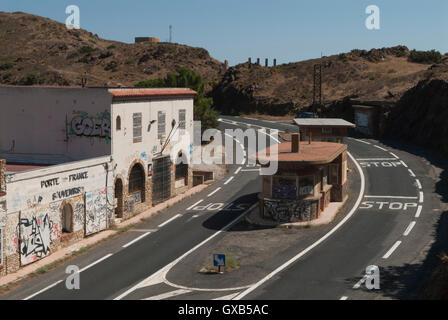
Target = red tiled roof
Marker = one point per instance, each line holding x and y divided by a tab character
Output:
315	153
123	93
21	167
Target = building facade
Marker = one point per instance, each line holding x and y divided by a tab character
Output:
77	159
324	129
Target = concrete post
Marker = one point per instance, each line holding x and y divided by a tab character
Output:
258	61
275	62
250	61
266	62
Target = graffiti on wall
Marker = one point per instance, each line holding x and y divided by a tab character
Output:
36	236
85	125
288	210
97	211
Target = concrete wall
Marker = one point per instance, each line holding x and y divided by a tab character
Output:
54	125
32	226
126	153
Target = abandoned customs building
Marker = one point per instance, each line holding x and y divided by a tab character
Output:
74	160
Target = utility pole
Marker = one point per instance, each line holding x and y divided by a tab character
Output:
171	33
317	87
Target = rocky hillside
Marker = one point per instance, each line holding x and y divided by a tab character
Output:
378	74
41	51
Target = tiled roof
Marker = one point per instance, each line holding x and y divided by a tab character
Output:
135	93
315	153
323	122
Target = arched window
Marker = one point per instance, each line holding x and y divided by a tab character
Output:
137	183
67	218
118	123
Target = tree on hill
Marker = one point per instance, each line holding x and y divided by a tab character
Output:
186	78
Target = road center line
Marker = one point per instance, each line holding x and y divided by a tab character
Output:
238	170
421	197
409	228
136	239
404	164
44	289
390	197
419	185
228	180
212	193
169	220
411	172
315	244
343	298
419	211
391	250
194	205
362	141
96	262
394	155
377	159
381	148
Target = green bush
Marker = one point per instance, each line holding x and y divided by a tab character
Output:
72	55
86	50
30	79
6	65
112	46
427	57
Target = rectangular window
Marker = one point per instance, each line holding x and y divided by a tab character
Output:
160	124
137	127
284	187
334	174
324	176
182	124
306	185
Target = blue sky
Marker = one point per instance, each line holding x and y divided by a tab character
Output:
289	30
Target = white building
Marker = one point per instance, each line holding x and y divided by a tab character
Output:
76	156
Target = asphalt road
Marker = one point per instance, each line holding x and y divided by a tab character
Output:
392	226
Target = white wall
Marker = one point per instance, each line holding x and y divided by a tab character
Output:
37	196
124	150
39	121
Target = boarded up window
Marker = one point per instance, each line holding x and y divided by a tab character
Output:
182	121
334	174
137	127
160	125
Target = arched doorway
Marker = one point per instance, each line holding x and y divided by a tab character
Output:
67	218
181	172
137	183
119	197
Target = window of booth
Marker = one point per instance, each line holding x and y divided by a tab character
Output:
306	185
284	187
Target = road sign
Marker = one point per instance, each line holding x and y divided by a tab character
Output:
219	260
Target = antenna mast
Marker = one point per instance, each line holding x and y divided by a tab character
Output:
171	33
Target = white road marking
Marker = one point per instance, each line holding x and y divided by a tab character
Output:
136	239
246	170
212	193
377	159
96	262
194	205
381	148
160	275
421	197
391	250
390	197
238	170
57	282
44	289
169	220
409	228
360	282
419	211
315	244
411	172
227	297
419	185
344	298
228	180
404	164
168	294
362	141
393	154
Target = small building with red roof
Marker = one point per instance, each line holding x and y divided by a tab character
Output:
310	175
